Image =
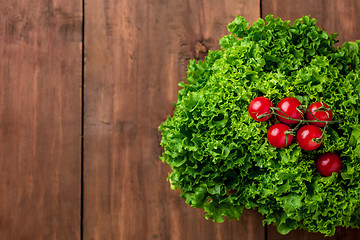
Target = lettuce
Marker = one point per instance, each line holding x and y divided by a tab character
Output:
220	157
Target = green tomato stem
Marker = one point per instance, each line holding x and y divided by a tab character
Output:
319	139
274	109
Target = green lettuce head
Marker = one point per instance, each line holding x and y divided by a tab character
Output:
220	156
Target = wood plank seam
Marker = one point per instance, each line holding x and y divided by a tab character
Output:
82	120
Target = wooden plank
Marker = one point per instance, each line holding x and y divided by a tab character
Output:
136	53
40	119
334	16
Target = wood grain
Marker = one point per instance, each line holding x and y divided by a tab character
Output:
136	53
40	119
334	16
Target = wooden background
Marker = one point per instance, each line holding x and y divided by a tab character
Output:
84	85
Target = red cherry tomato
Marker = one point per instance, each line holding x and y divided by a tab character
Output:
328	163
308	137
278	135
321	111
289	108
260	106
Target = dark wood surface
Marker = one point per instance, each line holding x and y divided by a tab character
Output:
334	16
136	52
40	119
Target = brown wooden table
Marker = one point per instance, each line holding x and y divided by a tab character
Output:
84	85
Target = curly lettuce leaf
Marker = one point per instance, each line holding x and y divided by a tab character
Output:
220	157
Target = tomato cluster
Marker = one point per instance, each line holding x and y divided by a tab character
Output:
290	111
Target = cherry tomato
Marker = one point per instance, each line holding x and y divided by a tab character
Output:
308	137
259	106
328	163
321	111
278	135
289	108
